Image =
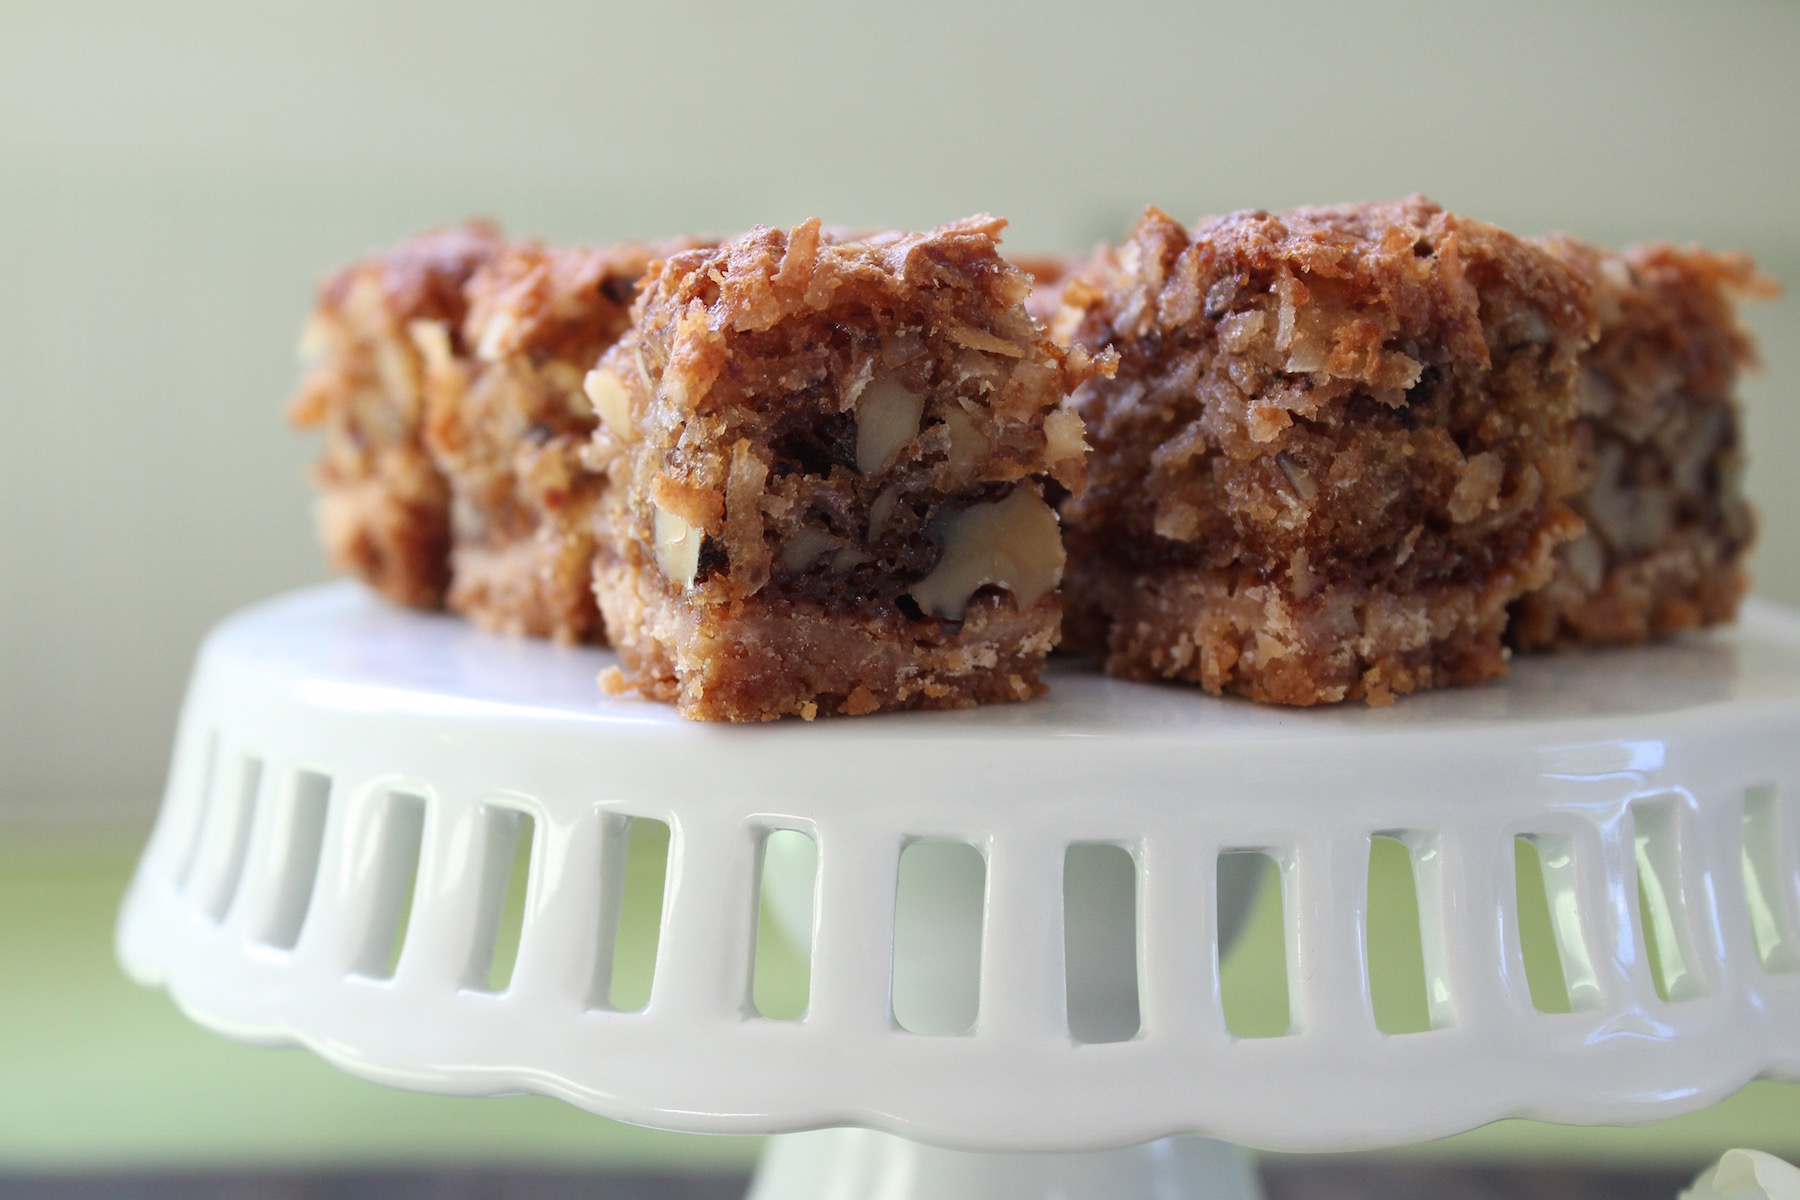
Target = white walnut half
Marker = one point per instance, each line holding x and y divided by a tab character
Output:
887	417
677	548
1013	543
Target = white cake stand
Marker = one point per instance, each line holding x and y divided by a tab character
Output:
328	741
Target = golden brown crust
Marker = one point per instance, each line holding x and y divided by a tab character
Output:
745	389
1667	522
384	509
1322	419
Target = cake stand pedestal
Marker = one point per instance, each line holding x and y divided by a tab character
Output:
866	1164
329	743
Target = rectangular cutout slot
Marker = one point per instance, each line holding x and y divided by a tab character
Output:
1396	950
299	869
1647	926
203	807
505	883
635	863
1562	895
781	980
1253	964
1537	933
1538	936
240	816
1766	884
396	879
1100	953
939	906
1668	945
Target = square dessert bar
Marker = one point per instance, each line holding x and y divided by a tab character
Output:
507	422
1667	523
1339	444
384	507
449	386
829	458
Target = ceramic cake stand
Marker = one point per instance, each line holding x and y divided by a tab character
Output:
329	742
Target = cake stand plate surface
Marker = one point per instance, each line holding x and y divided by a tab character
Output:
329	740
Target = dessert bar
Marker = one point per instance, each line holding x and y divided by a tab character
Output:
507	424
448	382
1344	452
1340	442
1667	523
384	507
828	459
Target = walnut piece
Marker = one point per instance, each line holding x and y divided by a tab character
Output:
611	402
677	548
1013	543
887	418
968	445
